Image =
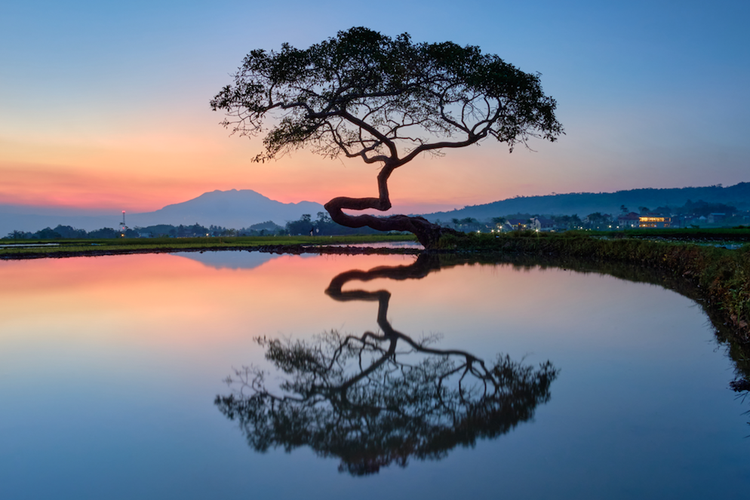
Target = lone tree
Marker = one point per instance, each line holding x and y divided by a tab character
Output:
364	95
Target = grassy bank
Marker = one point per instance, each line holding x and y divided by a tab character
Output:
738	348
719	278
738	234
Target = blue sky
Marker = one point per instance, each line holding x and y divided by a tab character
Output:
105	101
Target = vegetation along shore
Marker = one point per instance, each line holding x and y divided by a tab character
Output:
716	277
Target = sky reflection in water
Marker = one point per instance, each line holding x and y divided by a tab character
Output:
109	368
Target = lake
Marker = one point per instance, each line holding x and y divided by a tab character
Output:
142	376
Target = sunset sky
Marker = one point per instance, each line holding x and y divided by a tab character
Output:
105	104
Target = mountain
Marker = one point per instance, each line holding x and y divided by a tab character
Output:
243	208
583	204
232	209
230	260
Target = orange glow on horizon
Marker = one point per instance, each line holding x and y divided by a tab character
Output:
145	170
286	181
168	292
169	301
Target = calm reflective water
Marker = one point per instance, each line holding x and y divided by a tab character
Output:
112	382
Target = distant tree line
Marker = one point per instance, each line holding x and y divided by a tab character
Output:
322	226
160	230
686	214
699	208
63	232
471	224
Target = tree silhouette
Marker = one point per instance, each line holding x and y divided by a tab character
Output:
380	398
386	101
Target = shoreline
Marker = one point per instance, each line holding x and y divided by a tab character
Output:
295	249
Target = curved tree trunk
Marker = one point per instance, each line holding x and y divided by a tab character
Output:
426	232
424	265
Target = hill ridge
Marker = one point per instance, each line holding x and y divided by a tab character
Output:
584	203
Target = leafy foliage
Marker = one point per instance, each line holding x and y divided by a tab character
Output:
323	226
363	94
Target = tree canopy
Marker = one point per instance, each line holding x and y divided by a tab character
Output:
385	100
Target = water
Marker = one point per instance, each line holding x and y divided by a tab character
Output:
384	244
110	366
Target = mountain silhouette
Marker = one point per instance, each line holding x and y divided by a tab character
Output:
242	208
583	204
232	209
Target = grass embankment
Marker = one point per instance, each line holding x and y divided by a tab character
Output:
738	348
93	248
723	234
718	277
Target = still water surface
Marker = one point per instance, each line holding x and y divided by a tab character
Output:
110	368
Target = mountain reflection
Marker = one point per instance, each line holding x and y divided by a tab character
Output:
380	398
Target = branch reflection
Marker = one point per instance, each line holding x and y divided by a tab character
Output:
380	398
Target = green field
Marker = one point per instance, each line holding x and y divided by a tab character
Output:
738	234
10	249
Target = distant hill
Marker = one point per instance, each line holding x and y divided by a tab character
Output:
244	208
583	204
232	209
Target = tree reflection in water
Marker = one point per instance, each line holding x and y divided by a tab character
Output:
381	398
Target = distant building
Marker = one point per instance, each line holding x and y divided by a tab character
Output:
516	224
631	220
654	221
541	224
714	218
